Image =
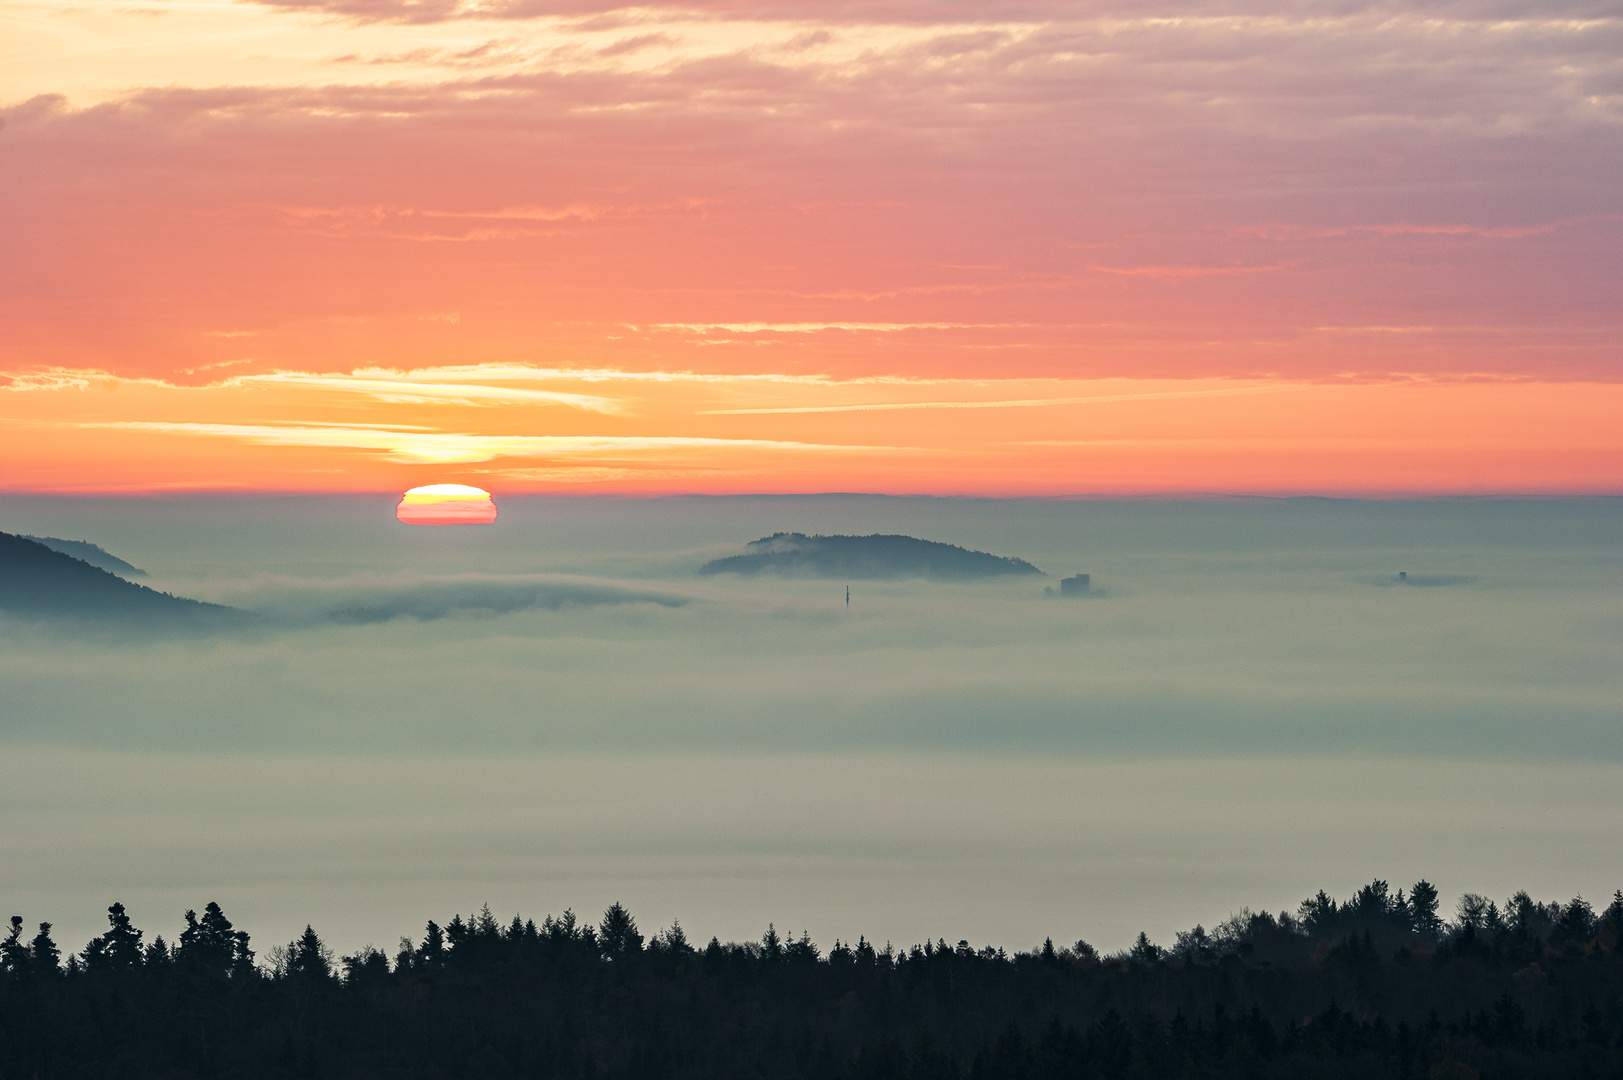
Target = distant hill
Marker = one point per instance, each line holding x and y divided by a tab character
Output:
37	581
865	558
93	554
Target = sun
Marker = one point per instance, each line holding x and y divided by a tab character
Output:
446	504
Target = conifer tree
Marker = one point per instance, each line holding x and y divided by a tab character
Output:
1577	922
484	925
1318	915
433	947
13	956
43	955
1612	919
456	934
617	934
1145	951
308	958
1423	911
802	950
672	940
119	947
771	944
209	945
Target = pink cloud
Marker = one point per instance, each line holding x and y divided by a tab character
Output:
1229	197
844	12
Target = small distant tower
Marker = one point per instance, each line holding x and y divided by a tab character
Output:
848	596
1075	586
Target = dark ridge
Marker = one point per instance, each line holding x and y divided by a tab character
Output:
39	582
94	554
865	558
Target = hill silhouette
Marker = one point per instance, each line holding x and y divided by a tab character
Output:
865	558
94	554
37	581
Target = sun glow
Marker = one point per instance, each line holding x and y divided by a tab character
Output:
446	504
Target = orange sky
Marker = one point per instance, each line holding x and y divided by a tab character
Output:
1022	248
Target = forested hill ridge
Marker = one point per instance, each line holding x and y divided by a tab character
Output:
865	558
1377	987
94	554
38	581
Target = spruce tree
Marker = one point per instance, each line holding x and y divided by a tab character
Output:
43	954
617	934
771	944
13	956
119	947
308	958
433	947
1423	911
211	946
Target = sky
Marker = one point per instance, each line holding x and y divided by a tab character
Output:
1021	248
1241	307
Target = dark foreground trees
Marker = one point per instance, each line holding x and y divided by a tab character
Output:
1377	986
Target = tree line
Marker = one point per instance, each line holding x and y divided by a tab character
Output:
1378	985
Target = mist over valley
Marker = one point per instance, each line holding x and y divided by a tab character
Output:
579	714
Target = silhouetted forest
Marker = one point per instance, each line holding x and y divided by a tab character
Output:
94	554
1377	986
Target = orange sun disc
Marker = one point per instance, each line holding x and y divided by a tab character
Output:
446	504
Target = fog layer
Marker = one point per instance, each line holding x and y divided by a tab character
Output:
559	710
1261	627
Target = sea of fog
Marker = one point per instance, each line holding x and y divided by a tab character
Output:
559	711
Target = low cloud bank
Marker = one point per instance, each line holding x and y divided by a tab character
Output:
1426	581
45	584
994	848
426	603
